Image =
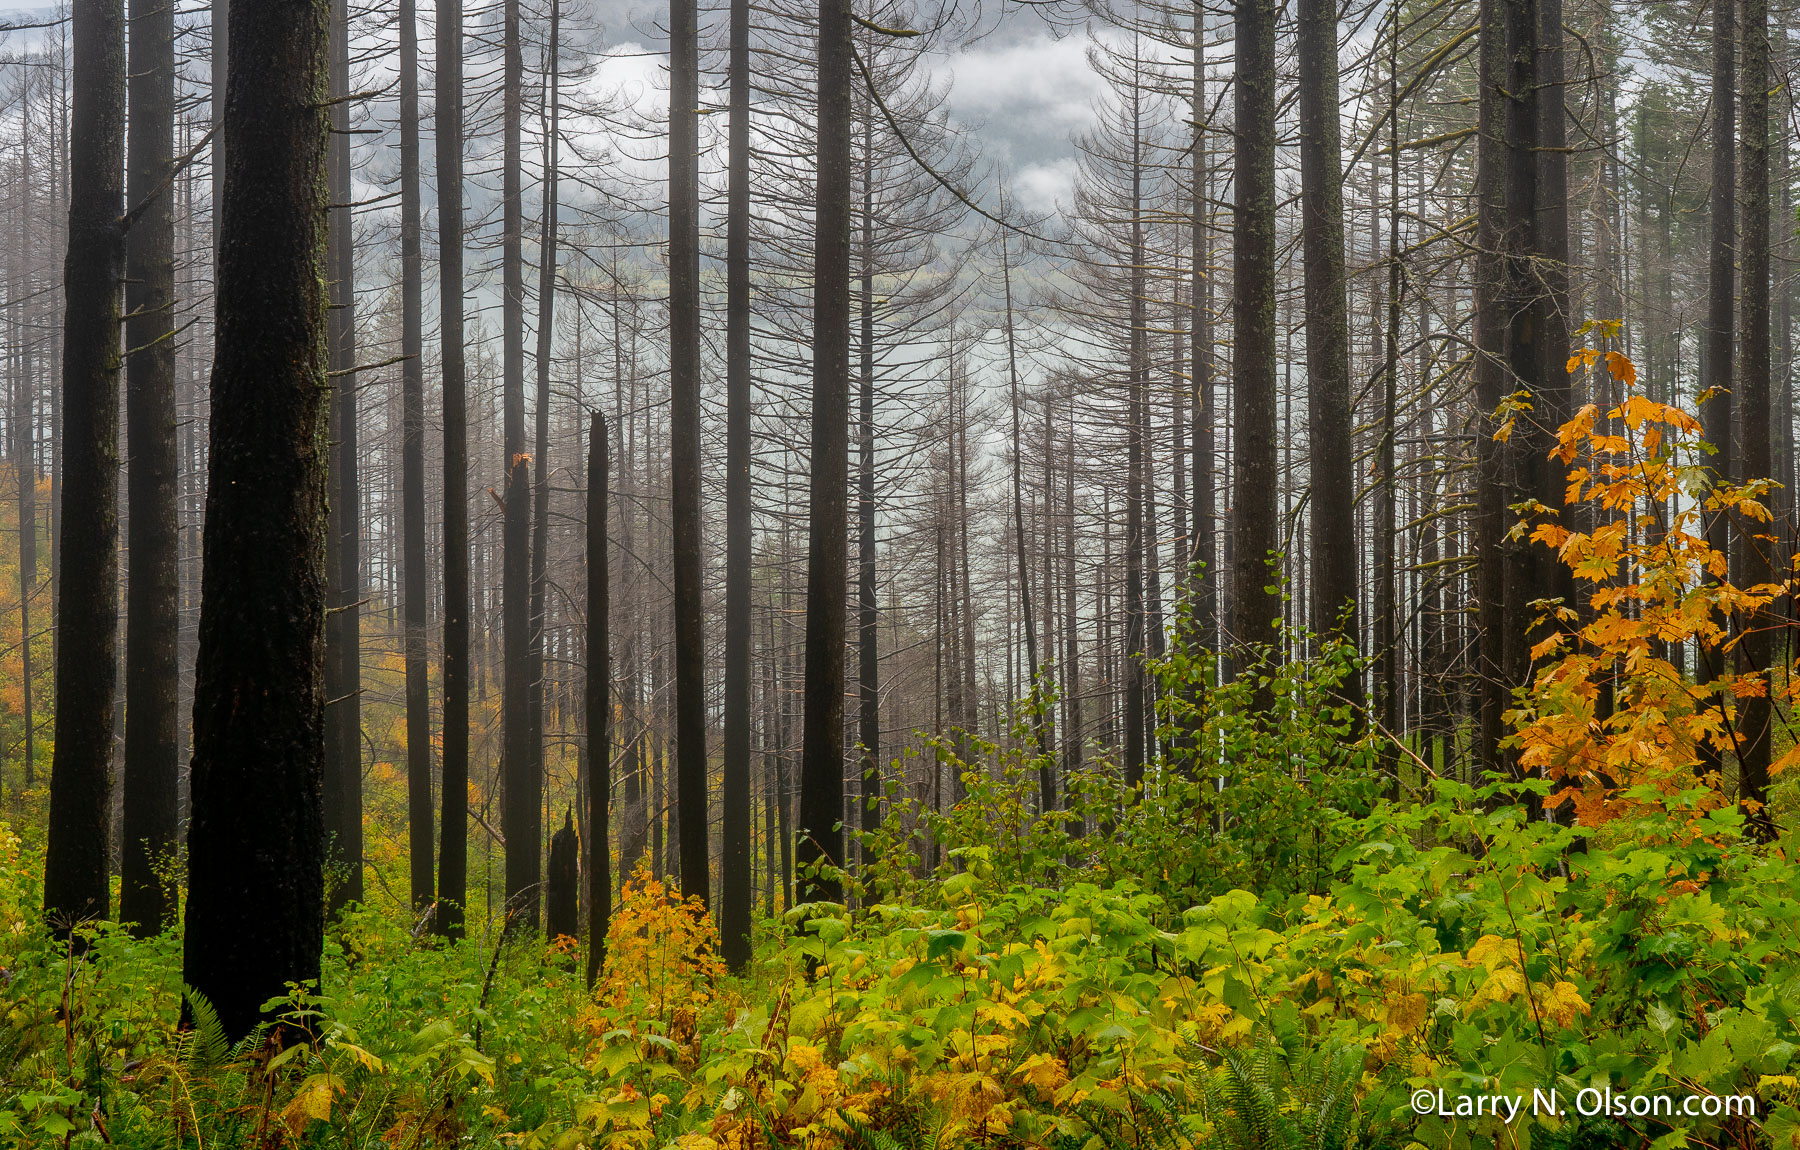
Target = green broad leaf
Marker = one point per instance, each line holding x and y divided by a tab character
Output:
942	942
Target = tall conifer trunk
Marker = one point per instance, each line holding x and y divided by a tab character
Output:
343	639
598	708
453	866
1255	607
255	910
521	809
822	755
546	333
86	561
734	907
691	800
152	676
1756	542
1329	415
414	596
1716	375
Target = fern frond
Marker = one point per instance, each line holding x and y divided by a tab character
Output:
209	1047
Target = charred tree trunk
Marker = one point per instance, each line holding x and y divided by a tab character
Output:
563	881
821	843
599	699
87	642
546	331
1330	417
343	639
1755	542
1137	380
868	652
1255	605
521	805
1716	382
414	595
1205	576
152	675
256	899
1387	490
692	803
453	849
1040	738
734	893
1505	360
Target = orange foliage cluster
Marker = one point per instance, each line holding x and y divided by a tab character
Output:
1609	715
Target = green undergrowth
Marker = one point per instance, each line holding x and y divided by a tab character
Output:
1177	967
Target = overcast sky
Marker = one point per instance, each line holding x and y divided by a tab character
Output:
1022	92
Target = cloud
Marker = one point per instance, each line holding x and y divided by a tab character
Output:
1040	188
1029	95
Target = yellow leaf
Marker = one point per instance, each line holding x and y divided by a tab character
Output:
312	1102
363	1056
1044	1073
1564	1002
1500	986
1406	1012
1622	369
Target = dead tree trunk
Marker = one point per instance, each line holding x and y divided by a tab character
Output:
1716	415
1330	418
453	848
152	594
821	842
255	912
1755	542
1255	604
87	644
540	512
684	451
414	595
734	906
599	700
343	638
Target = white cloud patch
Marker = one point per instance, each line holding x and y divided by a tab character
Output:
1041	188
1028	95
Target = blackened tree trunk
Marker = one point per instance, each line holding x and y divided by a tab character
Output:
1504	361
1387	481
821	842
734	878
1137	379
343	636
1071	629
546	331
414	594
1553	397
521	809
1716	414
256	899
599	699
453	849
26	469
1756	542
151	808
1205	584
1041	739
561	884
868	647
1330	419
24	449
87	646
691	800
1255	605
